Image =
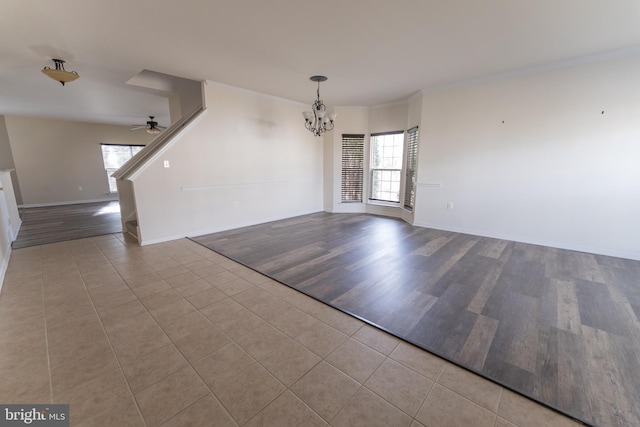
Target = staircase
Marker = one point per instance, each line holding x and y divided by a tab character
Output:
131	227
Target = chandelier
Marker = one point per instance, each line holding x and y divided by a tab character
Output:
317	120
59	74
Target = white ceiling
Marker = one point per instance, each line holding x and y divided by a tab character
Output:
373	51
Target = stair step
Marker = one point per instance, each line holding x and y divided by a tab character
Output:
132	227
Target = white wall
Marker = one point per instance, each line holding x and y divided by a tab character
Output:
13	220
9	221
54	157
6	158
184	95
247	160
414	112
190	96
557	172
5	243
388	118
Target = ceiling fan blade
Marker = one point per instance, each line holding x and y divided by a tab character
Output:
138	127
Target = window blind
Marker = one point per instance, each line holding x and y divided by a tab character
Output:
411	168
352	168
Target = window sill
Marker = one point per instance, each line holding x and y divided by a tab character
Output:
381	203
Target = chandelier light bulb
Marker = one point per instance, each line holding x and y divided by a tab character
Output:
308	115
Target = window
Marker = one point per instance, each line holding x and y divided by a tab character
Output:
411	168
352	168
386	166
114	156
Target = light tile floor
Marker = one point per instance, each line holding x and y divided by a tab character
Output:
176	335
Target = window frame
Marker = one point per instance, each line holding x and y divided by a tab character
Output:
110	171
373	169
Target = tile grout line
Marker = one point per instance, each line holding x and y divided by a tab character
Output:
113	350
498	409
323	359
46	332
189	363
429	393
422	401
311	223
287	388
387	357
468	399
362	385
281	298
256	361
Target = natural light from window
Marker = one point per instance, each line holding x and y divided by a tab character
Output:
386	166
110	208
114	156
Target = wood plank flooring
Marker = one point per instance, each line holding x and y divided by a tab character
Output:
559	326
52	224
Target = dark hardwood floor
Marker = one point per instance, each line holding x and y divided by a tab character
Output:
558	326
53	224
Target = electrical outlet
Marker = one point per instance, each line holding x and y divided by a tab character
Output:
235	203
450	206
166	163
80	188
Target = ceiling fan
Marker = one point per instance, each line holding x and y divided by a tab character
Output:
151	126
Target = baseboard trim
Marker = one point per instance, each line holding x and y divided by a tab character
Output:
70	202
633	255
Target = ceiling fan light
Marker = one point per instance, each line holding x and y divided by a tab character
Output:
59	74
153	131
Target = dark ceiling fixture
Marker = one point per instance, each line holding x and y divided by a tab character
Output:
59	74
317	120
151	126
